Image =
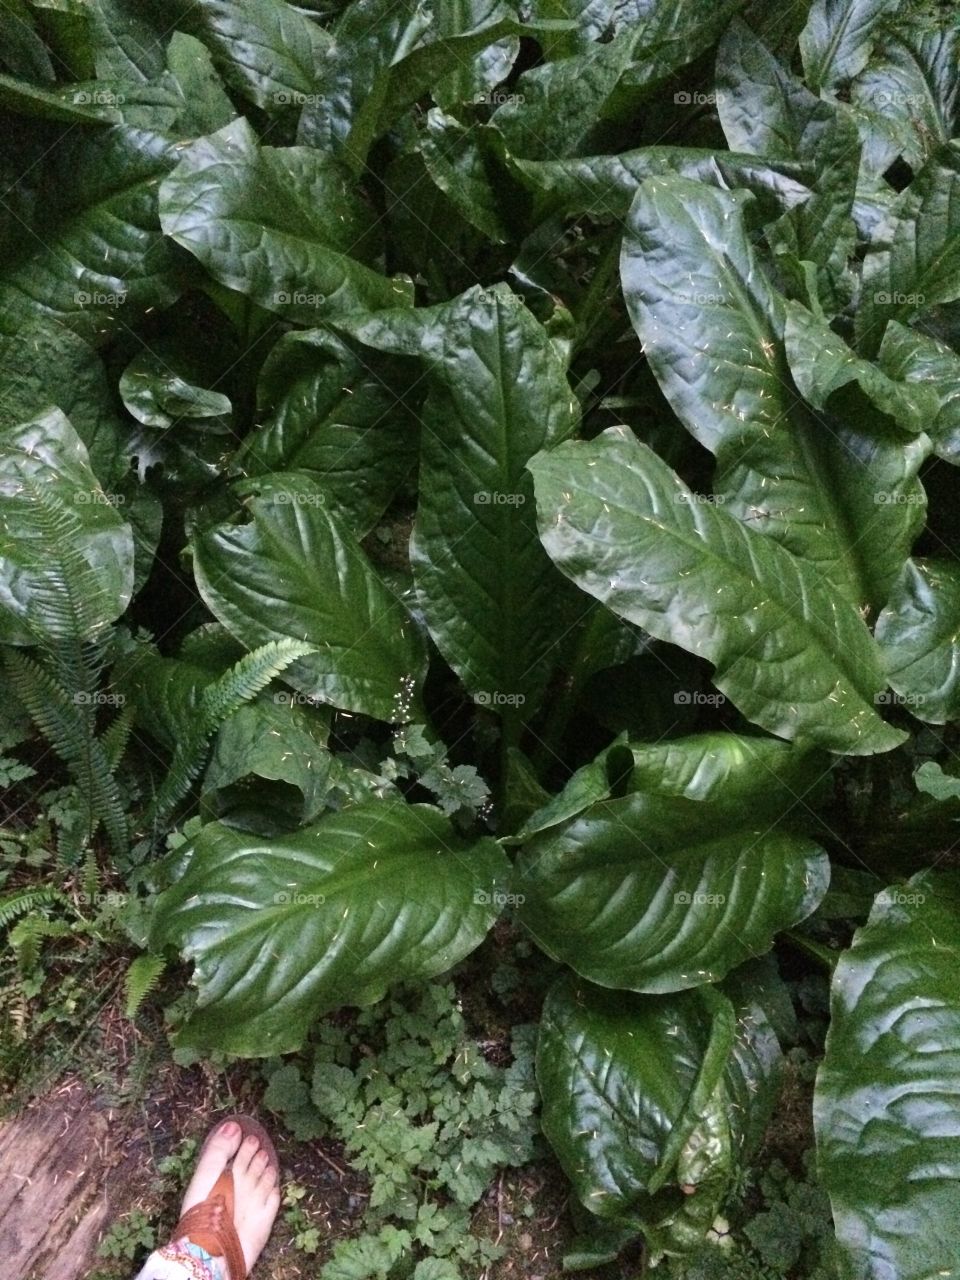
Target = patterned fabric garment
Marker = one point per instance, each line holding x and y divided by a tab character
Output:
181	1260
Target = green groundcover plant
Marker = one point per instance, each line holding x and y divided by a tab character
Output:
482	457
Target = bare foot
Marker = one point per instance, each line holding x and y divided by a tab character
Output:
256	1188
216	1155
257	1197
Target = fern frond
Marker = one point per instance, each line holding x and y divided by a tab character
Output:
116	736
247	678
68	601
69	612
91	876
18	1014
185	766
73	843
59	718
218	701
23	900
25	938
142	976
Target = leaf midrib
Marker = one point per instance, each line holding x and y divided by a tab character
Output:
820	477
839	34
704	548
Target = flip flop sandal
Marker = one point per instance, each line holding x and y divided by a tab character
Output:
210	1224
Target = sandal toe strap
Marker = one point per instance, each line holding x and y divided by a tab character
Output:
210	1225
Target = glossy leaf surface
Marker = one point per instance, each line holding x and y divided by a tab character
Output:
637	1095
886	1109
788	653
712	326
918	635
228	202
498	394
655	891
282	930
44	462
296	570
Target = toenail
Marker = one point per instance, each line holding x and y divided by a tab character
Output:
230	1129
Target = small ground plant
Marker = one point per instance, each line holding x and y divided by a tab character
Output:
426	1118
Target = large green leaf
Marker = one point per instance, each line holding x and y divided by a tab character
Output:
658	891
605	185
918	262
283	930
724	768
706	766
789	653
648	1102
824	230
206	105
386	54
46	364
907	96
166	693
593	21
457	157
557	107
266	50
933	781
712	327
476	76
340	417
156	395
836	42
918	635
887	1103
766	110
144	513
44	465
21	48
297	570
280	224
101	255
498	394
67	30
917	358
428	231
587	785
69	105
127	36
156	107
278	740
822	365
180	702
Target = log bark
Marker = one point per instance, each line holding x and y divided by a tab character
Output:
57	1164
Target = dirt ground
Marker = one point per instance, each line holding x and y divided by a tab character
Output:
85	1155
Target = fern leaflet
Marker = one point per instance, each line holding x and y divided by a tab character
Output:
141	978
